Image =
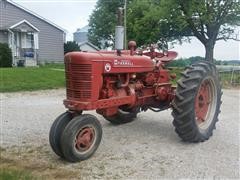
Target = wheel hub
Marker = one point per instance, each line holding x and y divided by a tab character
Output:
203	99
84	139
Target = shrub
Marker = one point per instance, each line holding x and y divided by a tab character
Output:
5	55
71	46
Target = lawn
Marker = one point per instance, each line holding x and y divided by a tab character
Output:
30	79
13	174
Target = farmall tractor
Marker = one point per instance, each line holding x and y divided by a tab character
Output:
121	84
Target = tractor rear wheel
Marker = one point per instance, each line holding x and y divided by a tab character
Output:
197	102
81	138
56	131
122	117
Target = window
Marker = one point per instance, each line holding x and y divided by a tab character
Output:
29	40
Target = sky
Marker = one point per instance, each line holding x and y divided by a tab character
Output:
73	14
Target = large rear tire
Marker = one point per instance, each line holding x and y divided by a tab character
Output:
197	102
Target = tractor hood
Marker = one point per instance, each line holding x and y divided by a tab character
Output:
112	63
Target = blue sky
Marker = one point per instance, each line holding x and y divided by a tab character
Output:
73	14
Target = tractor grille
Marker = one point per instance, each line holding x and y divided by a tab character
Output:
78	81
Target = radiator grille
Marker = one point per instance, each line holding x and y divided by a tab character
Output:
78	81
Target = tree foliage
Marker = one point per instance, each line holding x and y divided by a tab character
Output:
153	21
71	46
207	20
103	21
148	23
183	62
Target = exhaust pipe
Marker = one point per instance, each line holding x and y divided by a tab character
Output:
119	31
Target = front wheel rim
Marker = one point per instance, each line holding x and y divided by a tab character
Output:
205	103
85	139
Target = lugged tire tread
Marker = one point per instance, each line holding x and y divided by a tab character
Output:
183	105
188	89
181	84
184	102
185	74
191	79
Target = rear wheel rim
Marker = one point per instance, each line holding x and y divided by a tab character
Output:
205	103
85	139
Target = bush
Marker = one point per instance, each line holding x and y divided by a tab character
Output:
71	46
5	55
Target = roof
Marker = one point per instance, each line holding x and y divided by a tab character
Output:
84	29
24	21
36	15
88	43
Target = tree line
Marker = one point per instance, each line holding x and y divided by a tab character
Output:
158	21
183	62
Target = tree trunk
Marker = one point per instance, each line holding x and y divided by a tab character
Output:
209	49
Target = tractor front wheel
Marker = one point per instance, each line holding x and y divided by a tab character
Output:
56	132
81	138
197	102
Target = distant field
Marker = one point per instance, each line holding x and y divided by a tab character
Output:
230	79
30	79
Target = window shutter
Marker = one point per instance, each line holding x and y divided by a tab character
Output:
35	39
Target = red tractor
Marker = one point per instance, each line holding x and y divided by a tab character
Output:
119	85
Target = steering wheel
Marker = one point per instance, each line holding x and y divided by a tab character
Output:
165	56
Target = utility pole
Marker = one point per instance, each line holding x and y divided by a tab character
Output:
125	24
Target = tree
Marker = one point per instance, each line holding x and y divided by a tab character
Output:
71	46
103	21
210	20
143	22
207	20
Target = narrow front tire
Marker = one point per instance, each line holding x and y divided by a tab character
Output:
81	138
56	132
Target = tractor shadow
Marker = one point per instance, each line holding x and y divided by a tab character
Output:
147	126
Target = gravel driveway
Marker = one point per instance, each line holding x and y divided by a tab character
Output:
146	148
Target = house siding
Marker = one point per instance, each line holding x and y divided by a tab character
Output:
3	37
51	39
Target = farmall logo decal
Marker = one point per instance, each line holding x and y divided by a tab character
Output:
123	63
108	67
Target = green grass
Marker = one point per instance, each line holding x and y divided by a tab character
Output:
177	71
53	65
30	79
11	174
40	78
